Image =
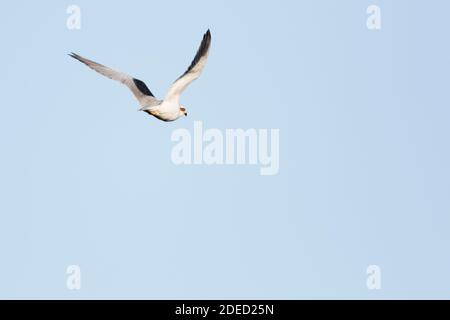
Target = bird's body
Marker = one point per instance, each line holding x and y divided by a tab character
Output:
165	111
170	108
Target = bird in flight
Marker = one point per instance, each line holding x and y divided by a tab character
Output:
170	108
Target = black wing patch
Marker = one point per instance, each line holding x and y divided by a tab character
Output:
142	87
202	50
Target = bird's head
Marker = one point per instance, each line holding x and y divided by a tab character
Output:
183	111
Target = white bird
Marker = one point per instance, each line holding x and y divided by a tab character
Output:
168	109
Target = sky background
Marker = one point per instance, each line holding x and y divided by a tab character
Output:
364	174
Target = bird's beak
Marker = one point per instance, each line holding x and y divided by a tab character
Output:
185	114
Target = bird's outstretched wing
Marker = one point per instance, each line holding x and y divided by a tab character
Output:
193	72
138	87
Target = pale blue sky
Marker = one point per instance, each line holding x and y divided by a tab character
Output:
364	160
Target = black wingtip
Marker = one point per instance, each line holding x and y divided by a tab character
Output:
206	41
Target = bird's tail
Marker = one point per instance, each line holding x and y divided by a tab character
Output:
146	108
